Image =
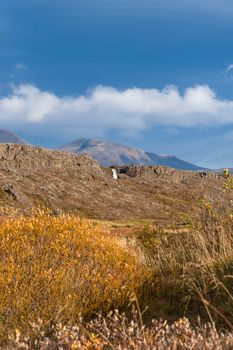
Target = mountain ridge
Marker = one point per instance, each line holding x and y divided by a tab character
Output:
110	154
7	136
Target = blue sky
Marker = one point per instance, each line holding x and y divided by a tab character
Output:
101	68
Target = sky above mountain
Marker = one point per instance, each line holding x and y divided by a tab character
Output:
154	74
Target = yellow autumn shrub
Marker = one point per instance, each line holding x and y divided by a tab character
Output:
55	268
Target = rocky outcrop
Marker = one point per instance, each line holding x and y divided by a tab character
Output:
30	159
170	174
32	176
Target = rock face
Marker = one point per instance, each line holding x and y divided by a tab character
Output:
169	174
32	159
108	153
31	177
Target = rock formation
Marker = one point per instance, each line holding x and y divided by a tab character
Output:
32	176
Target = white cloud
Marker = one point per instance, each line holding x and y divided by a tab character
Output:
21	67
106	108
229	68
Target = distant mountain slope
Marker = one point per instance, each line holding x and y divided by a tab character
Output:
108	153
172	162
9	137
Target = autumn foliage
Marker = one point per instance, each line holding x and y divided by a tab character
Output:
53	269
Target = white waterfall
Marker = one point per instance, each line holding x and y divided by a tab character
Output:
114	174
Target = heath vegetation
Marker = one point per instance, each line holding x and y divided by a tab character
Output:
56	268
60	276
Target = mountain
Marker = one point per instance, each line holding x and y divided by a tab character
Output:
109	154
9	137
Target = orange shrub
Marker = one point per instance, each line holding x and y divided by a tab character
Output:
54	268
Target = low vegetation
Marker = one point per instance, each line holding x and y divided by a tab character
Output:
60	276
115	331
193	267
56	268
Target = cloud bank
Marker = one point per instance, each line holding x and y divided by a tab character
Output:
106	108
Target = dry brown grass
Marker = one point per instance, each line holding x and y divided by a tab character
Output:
193	267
